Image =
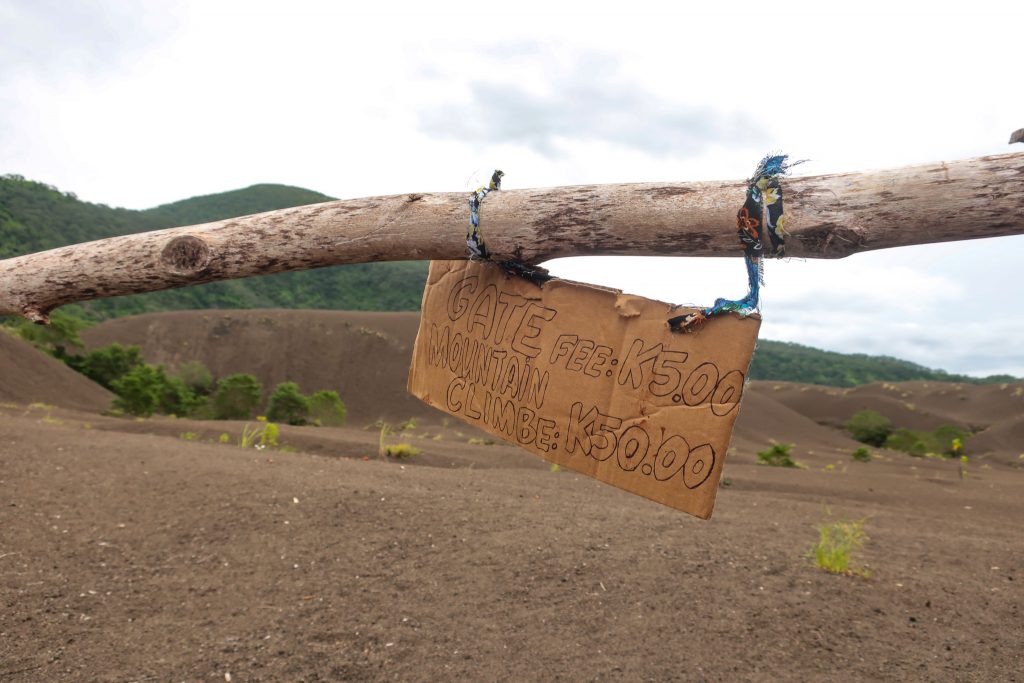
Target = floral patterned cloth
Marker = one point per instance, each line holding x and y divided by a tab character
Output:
760	216
475	238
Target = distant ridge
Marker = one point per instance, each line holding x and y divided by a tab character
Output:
252	199
35	216
786	361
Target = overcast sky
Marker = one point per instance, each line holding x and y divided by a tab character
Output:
140	103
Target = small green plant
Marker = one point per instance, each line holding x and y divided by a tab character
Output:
861	455
837	544
262	435
383	426
224	438
249	436
407	425
268	436
555	467
480	442
385	429
372	333
963	466
777	456
401	451
237	397
188	436
287	404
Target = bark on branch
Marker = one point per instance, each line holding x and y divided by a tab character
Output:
829	216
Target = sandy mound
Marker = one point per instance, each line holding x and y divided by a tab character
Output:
1005	438
363	356
763	419
30	376
915	405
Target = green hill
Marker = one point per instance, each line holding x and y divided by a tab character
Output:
35	216
784	361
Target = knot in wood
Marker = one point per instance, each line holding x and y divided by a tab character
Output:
185	255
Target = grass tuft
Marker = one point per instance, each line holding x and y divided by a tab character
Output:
837	544
777	456
401	451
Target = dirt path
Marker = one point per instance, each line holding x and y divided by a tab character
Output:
129	557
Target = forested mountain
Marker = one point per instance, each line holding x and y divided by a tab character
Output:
796	363
35	216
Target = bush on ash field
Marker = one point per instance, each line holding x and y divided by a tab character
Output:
108	364
870	427
287	404
237	397
147	389
326	409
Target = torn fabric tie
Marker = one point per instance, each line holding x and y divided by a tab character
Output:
475	238
477	246
760	215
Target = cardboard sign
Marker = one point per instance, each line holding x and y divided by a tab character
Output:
585	377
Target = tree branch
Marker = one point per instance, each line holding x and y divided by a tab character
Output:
829	216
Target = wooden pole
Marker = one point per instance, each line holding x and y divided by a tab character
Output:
828	216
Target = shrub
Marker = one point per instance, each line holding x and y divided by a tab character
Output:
861	455
196	377
109	364
908	441
951	440
777	456
54	338
946	440
326	408
139	391
870	427
837	543
146	389
237	397
287	404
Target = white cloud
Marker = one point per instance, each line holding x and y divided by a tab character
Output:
585	98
